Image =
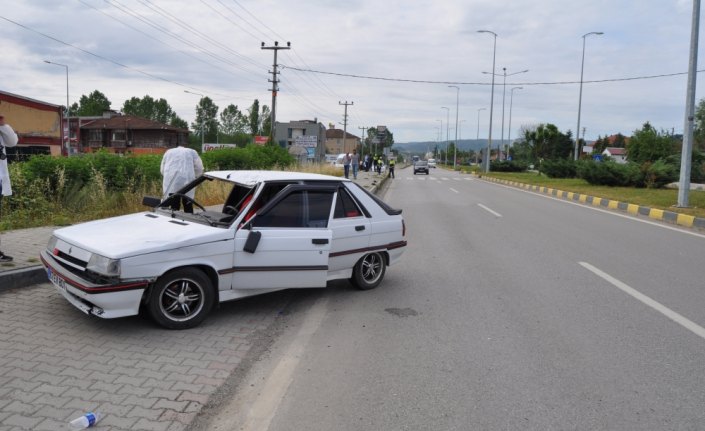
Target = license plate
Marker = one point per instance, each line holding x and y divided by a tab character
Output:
57	281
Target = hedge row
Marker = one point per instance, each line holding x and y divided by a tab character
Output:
121	173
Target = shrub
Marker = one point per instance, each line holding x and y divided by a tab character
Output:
606	173
560	168
508	166
250	157
657	174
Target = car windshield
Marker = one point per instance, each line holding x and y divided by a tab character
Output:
208	200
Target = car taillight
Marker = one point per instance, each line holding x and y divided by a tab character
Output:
403	228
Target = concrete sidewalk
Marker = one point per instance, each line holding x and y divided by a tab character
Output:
24	246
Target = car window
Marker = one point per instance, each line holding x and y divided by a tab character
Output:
345	206
299	209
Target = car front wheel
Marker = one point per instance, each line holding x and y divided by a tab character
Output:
369	271
181	299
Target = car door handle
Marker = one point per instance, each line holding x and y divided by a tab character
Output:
320	240
359	228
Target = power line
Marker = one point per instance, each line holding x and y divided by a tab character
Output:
419	81
104	58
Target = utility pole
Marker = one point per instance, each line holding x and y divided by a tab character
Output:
363	131
345	124
275	88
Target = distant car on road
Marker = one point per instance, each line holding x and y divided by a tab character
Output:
265	231
421	166
431	163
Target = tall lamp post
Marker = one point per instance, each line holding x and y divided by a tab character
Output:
457	100
504	92
447	131
203	132
580	97
68	109
477	138
686	156
489	140
511	100
440	132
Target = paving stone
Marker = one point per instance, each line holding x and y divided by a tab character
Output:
23	422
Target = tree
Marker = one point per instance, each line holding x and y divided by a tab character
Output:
649	145
92	105
266	121
149	108
206	122
547	142
232	121
699	130
254	121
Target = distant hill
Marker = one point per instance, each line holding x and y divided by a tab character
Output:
422	147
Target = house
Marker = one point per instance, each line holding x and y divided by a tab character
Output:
304	139
617	154
335	144
37	124
129	134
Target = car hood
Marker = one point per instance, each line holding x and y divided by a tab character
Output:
135	234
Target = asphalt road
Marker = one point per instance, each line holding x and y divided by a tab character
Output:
510	310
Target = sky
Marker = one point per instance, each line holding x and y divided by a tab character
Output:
392	61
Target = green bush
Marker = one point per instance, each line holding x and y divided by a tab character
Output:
607	173
508	166
560	168
250	157
648	174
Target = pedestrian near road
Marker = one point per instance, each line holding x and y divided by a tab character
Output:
179	167
346	164
8	138
355	162
392	162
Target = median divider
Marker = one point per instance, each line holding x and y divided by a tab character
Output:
672	217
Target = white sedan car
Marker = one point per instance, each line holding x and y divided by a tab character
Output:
269	231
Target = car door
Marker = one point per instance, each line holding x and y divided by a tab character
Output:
351	233
287	243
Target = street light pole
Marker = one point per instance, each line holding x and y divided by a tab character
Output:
68	109
440	132
489	141
580	97
477	138
457	100
203	132
447	131
504	91
511	100
686	150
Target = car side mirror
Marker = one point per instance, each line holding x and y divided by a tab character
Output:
252	241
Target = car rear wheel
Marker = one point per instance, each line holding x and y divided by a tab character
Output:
369	271
181	299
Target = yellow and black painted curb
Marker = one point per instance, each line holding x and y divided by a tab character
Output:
679	219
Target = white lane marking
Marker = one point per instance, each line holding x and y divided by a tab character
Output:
457	179
684	322
265	406
496	214
444	178
453	190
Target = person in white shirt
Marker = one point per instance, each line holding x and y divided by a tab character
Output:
8	138
179	167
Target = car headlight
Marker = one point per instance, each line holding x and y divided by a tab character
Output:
51	245
104	265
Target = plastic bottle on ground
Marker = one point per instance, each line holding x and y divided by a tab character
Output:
86	421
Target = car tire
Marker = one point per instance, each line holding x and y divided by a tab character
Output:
181	299
369	271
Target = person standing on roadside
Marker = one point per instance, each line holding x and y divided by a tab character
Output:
179	167
8	138
355	162
392	162
346	164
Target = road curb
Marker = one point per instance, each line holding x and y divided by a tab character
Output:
671	217
23	277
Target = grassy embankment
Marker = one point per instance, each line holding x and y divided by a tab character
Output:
664	199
